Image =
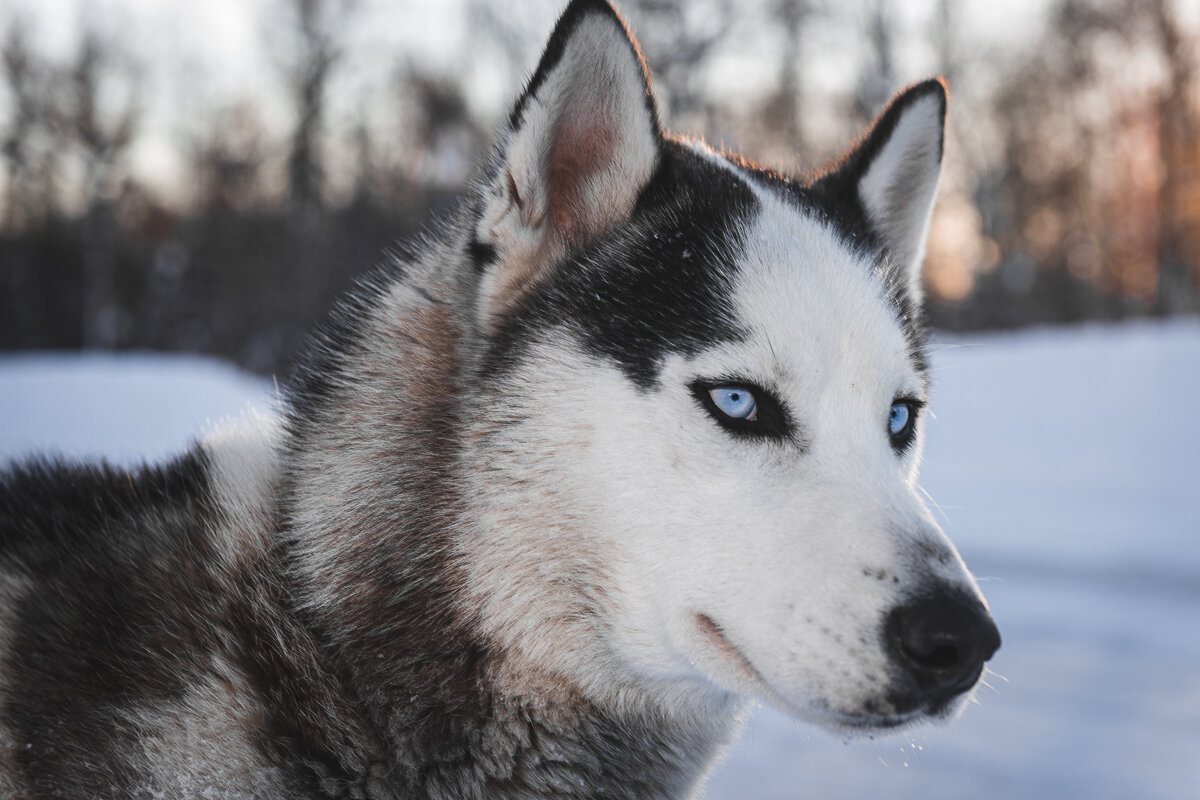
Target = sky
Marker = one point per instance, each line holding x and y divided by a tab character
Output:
192	57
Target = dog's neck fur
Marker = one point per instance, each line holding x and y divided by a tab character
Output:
457	712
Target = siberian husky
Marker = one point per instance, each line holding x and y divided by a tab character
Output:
632	443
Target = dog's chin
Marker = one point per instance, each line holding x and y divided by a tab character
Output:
866	723
867	719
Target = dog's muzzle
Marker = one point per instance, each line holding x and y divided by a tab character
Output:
938	643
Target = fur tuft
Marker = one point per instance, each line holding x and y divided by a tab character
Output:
507	540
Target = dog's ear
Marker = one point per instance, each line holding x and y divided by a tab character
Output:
891	177
580	145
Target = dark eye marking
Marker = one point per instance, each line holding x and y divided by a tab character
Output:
743	408
902	422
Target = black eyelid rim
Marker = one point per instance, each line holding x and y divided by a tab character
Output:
772	422
902	441
916	402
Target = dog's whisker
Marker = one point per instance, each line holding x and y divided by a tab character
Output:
991	672
558	491
935	504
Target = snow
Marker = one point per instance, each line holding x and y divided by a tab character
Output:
126	408
1065	466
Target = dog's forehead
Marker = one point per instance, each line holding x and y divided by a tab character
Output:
819	302
720	254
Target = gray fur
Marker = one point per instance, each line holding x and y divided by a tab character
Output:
401	589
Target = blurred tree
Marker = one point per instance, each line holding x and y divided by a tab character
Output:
1072	187
1074	205
228	161
877	79
784	107
679	39
29	143
440	120
1179	162
102	132
508	35
314	29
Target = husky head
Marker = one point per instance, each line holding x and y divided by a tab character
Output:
695	415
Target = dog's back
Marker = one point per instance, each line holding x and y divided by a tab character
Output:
146	643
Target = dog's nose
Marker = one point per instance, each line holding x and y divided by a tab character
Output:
942	639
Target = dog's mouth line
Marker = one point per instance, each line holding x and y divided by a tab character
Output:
712	631
715	635
867	722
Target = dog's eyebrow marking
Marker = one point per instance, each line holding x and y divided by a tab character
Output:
487	551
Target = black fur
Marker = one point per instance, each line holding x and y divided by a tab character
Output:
127	606
655	286
837	195
833	200
837	190
567	24
344	616
129	538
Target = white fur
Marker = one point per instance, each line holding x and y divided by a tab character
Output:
244	458
596	92
199	746
638	502
899	186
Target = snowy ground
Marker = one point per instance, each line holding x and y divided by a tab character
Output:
1065	464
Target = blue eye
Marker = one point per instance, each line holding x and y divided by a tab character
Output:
902	423
743	408
735	402
898	418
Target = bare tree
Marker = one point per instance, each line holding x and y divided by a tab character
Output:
512	30
785	106
102	136
877	80
30	143
314	30
1178	140
228	158
679	38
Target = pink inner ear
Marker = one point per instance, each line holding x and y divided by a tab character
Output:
583	148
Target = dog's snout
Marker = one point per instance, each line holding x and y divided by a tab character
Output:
942	641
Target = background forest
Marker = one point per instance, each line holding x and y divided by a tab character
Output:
155	196
207	176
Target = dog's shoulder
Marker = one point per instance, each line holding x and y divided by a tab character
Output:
127	599
58	516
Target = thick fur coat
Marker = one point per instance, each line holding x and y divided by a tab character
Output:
631	442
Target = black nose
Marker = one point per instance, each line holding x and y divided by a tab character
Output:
942	641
